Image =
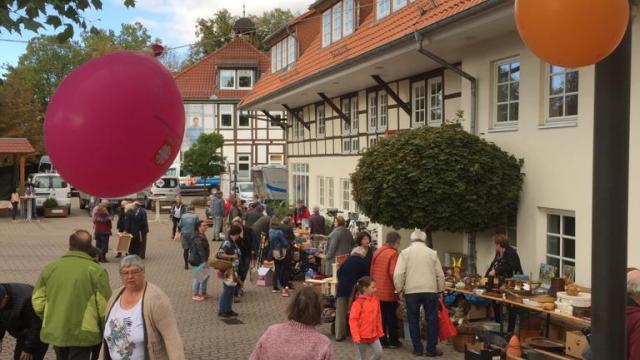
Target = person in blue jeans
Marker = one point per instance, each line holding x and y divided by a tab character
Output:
419	276
229	251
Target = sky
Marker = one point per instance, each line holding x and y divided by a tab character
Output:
173	21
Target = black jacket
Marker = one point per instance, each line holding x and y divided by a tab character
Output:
246	242
349	273
200	249
252	217
183	209
316	223
506	265
121	219
19	319
136	222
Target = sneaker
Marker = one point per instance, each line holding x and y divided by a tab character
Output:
200	298
236	300
285	292
275	291
232	313
224	315
395	346
195	298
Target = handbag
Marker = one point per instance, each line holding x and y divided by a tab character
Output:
446	329
219	264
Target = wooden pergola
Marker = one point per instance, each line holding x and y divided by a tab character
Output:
19	148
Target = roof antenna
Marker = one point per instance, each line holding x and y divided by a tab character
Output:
243	10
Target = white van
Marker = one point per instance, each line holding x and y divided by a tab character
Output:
167	186
48	185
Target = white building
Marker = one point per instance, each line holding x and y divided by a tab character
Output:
359	61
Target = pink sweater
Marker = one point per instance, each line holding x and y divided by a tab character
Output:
292	341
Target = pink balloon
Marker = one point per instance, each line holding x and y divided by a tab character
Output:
115	124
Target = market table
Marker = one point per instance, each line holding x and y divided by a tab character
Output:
548	313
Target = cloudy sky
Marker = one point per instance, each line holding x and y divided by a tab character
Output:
171	20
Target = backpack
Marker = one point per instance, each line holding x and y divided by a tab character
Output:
194	258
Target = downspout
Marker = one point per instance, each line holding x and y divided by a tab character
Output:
473	128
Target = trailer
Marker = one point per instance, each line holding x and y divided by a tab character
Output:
270	182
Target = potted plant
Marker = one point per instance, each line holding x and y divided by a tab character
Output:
51	209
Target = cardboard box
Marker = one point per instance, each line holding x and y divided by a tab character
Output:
575	344
265	277
477	313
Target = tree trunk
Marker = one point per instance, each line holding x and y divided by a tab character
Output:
429	238
471	264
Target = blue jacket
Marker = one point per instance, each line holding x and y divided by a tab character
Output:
277	240
349	273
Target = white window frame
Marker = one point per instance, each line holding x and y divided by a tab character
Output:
562	237
240	113
347	17
227	109
345	107
353	115
331	202
435	101
300	182
247	162
383	8
372	141
399	4
336	22
509	83
383	110
274	68
549	74
417	112
345	194
355	145
321	123
346	145
326	28
372	111
246	72
225	87
292	45
321	191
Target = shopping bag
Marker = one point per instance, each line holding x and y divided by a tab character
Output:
446	329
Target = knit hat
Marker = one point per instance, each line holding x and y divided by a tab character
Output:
418	235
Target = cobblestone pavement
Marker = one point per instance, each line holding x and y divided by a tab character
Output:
26	247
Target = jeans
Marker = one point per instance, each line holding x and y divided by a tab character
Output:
389	323
217	227
226	299
175	226
281	274
429	302
243	270
102	243
200	287
14	210
361	351
77	352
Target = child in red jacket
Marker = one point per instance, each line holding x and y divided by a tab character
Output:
365	320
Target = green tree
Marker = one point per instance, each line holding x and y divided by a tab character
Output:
268	23
438	179
33	15
202	158
212	34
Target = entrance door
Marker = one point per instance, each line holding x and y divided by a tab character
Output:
244	167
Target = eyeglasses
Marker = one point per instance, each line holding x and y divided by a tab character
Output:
131	273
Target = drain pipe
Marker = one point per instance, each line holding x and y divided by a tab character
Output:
473	129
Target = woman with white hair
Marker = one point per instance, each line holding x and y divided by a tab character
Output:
140	323
354	268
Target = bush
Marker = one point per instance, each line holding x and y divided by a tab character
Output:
50	203
282	209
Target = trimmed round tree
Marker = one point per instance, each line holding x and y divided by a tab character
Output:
438	179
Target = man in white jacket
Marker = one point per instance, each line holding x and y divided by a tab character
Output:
420	278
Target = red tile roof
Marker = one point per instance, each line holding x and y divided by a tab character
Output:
15	146
369	35
199	80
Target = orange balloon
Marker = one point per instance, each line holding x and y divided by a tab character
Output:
572	33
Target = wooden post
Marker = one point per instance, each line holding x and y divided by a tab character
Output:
22	165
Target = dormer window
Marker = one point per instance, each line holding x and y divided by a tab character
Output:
237	79
283	54
386	7
337	22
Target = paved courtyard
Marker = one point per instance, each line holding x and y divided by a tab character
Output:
26	247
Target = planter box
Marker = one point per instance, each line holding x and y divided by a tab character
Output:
58	212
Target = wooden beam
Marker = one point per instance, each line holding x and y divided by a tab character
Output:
295	116
335	108
406	107
22	165
274	120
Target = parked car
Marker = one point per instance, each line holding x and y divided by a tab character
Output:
48	185
244	190
167	187
88	201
